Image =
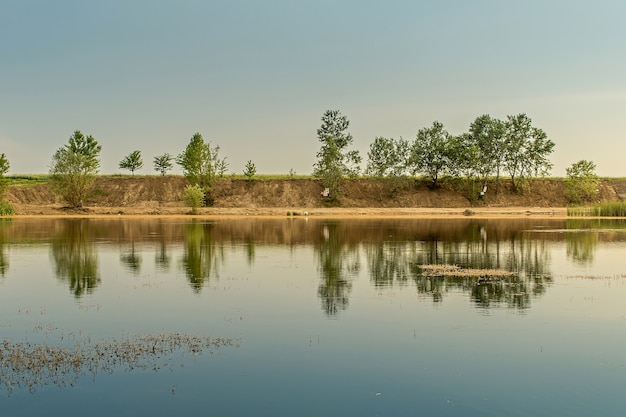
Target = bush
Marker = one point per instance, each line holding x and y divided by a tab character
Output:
6	209
193	196
582	182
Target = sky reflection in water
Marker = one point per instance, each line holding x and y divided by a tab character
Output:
332	317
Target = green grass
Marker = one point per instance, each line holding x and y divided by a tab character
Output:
612	209
26	179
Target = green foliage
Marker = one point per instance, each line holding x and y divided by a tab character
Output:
193	196
611	209
4	168
221	166
28	179
334	160
132	162
464	156
582	182
201	164
74	167
6	209
526	150
249	170
431	153
163	163
387	157
488	135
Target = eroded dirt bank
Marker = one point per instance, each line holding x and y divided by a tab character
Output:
155	195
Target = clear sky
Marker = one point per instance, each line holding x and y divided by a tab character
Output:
255	77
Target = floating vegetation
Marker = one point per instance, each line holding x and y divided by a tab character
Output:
30	365
457	271
594	277
612	209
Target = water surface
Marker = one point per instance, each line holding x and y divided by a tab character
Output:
325	317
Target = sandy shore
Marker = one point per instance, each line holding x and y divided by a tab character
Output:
482	212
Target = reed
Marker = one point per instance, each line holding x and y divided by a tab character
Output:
609	209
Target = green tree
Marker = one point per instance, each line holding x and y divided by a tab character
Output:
334	160
163	163
200	162
74	167
387	157
582	182
430	152
249	170
464	156
488	134
526	150
4	168
5	208
132	162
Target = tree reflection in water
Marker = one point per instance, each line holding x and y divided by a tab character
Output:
201	256
4	259
338	261
581	247
393	250
394	262
75	255
131	259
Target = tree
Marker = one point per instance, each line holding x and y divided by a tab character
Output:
387	157
4	168
430	152
132	162
200	162
464	156
74	167
163	163
526	150
582	182
488	134
334	160
249	170
5	208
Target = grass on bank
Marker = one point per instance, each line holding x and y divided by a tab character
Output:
27	179
610	209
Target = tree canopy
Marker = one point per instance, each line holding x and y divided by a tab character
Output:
334	159
132	162
201	163
74	167
163	163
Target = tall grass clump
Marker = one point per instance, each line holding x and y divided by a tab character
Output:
611	209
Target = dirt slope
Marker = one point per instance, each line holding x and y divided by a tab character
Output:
163	195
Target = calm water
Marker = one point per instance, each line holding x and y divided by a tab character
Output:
321	317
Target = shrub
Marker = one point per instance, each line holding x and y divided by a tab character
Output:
6	209
193	196
582	182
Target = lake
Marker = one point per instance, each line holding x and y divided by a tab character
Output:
312	317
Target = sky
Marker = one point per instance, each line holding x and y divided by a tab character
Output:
255	77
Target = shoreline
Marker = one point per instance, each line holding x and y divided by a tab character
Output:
290	212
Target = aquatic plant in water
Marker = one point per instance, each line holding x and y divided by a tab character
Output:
29	365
